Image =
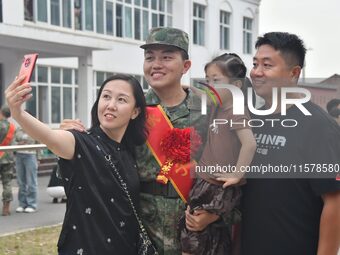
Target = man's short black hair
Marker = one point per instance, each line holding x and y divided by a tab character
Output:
335	112
333	103
290	46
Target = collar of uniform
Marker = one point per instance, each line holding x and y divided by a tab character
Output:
151	98
192	102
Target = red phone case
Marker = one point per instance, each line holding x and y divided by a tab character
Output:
27	67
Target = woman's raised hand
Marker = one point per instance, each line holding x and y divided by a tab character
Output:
16	94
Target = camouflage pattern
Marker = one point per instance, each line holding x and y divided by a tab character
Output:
167	36
159	214
8	156
184	115
6	164
6	174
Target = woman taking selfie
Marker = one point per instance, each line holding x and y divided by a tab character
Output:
97	167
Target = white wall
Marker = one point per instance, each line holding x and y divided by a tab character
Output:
13	12
123	58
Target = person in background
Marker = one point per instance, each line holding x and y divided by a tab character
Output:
335	113
333	108
55	187
27	174
333	103
7	132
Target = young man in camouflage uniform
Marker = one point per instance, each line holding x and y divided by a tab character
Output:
165	61
6	159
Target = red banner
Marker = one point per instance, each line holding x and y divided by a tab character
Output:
178	174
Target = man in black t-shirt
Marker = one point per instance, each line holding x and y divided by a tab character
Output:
290	215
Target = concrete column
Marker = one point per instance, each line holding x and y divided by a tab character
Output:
85	89
10	64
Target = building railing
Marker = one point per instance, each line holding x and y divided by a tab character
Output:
23	147
45	162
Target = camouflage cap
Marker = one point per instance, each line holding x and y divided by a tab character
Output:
167	36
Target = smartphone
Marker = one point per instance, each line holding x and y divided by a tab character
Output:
27	66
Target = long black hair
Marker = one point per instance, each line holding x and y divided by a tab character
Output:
136	132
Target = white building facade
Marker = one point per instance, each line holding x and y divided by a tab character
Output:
81	42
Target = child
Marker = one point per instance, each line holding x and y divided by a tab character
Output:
227	144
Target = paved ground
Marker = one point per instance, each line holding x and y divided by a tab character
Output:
46	215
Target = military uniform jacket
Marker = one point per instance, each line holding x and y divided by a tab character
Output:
187	114
8	156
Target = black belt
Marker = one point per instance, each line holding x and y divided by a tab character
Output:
157	189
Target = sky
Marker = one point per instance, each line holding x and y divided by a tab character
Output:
316	22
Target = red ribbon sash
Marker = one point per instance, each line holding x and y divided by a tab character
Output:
178	174
8	138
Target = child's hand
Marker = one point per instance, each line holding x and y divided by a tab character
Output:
199	220
228	181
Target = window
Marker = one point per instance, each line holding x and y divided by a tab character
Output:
55	109
145	24
100	16
138	21
224	30
89	15
55	75
31	104
28	12
135	18
109	18
100	77
67	13
42	10
142	82
247	35
0	10
54	91
121	18
78	25
128	22
55	12
198	23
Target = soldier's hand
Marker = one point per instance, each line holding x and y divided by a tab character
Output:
199	220
72	124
